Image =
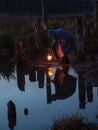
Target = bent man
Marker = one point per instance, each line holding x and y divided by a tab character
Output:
64	43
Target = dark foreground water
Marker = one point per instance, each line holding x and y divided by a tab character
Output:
32	97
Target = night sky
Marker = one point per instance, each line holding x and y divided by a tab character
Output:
20	6
53	6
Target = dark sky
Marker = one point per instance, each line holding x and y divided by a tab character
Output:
53	6
31	6
17	6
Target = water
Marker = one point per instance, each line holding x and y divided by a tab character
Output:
30	99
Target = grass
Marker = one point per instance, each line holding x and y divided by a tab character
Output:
75	122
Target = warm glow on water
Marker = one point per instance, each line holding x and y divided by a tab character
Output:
44	98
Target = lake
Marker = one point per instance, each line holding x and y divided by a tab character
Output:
33	96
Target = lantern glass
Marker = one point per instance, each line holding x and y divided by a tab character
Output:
49	57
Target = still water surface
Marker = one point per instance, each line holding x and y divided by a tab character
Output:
31	99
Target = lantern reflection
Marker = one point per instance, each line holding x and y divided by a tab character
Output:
50	72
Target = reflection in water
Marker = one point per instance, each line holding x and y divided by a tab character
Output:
87	80
11	114
26	111
32	73
20	77
63	79
82	91
40	77
50	72
7	69
65	84
89	90
48	88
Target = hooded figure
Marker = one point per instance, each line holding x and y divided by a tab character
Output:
64	42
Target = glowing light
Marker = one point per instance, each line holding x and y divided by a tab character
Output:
50	72
49	57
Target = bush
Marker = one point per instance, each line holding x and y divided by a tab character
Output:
74	122
7	46
6	41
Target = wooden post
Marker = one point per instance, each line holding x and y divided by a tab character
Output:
94	14
80	34
44	13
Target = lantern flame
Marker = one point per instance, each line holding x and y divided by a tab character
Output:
49	57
